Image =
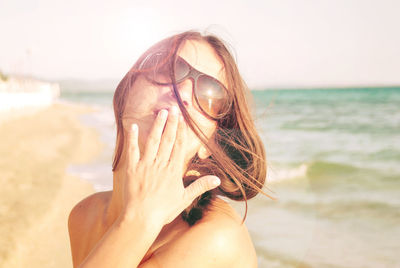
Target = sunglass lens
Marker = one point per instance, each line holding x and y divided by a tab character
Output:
181	69
211	95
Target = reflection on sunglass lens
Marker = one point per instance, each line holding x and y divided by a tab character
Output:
211	95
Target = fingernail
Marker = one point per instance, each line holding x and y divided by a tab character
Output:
163	113
216	181
174	110
134	128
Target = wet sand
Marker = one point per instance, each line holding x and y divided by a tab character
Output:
36	194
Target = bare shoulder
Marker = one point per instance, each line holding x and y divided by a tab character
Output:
83	224
84	208
218	240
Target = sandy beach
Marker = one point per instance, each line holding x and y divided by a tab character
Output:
37	194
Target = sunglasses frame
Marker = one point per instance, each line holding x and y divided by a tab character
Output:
194	75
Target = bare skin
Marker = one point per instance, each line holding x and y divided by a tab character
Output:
130	227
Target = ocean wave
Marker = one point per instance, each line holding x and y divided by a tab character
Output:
318	169
311	170
333	177
382	212
275	175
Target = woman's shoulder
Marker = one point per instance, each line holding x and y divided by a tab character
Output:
217	240
84	224
88	214
227	233
90	205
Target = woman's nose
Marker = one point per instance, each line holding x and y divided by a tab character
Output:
185	91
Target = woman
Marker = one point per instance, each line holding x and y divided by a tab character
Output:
184	135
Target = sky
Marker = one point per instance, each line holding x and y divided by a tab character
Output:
281	43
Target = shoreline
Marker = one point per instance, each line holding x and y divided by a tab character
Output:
38	193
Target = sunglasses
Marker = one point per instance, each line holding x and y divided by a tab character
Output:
210	94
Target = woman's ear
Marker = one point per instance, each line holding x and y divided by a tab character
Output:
203	153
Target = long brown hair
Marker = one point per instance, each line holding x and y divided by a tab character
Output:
237	152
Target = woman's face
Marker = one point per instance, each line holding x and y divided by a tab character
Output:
146	99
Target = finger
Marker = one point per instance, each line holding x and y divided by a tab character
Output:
200	186
153	141
169	135
133	147
178	152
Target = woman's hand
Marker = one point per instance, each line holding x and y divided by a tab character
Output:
153	187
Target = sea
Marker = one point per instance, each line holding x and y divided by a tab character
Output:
333	166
